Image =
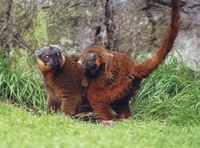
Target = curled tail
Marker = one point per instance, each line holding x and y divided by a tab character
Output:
145	68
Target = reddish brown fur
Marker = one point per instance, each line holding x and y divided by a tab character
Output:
104	57
93	67
108	97
63	86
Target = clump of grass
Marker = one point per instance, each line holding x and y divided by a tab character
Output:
19	87
171	93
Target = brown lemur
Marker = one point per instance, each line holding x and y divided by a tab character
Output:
62	78
106	98
91	61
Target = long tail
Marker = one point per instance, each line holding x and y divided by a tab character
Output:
145	68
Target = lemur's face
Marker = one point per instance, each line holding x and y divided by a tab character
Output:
90	63
50	57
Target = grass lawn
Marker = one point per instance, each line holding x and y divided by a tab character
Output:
165	114
19	128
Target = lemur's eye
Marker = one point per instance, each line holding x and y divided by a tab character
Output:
47	57
58	54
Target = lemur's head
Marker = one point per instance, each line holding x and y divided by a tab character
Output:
90	63
50	57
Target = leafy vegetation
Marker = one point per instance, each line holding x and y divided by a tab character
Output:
39	32
172	93
18	82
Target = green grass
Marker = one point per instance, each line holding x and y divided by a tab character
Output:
19	128
171	93
19	81
165	113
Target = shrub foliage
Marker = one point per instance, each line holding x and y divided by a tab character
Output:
172	92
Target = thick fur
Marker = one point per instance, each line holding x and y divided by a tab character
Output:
111	100
62	79
91	61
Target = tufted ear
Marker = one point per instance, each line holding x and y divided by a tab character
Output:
55	46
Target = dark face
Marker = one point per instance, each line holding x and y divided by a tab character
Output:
51	55
89	63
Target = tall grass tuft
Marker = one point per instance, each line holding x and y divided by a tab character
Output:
18	86
171	93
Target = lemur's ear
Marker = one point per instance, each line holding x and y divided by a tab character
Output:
39	51
55	46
